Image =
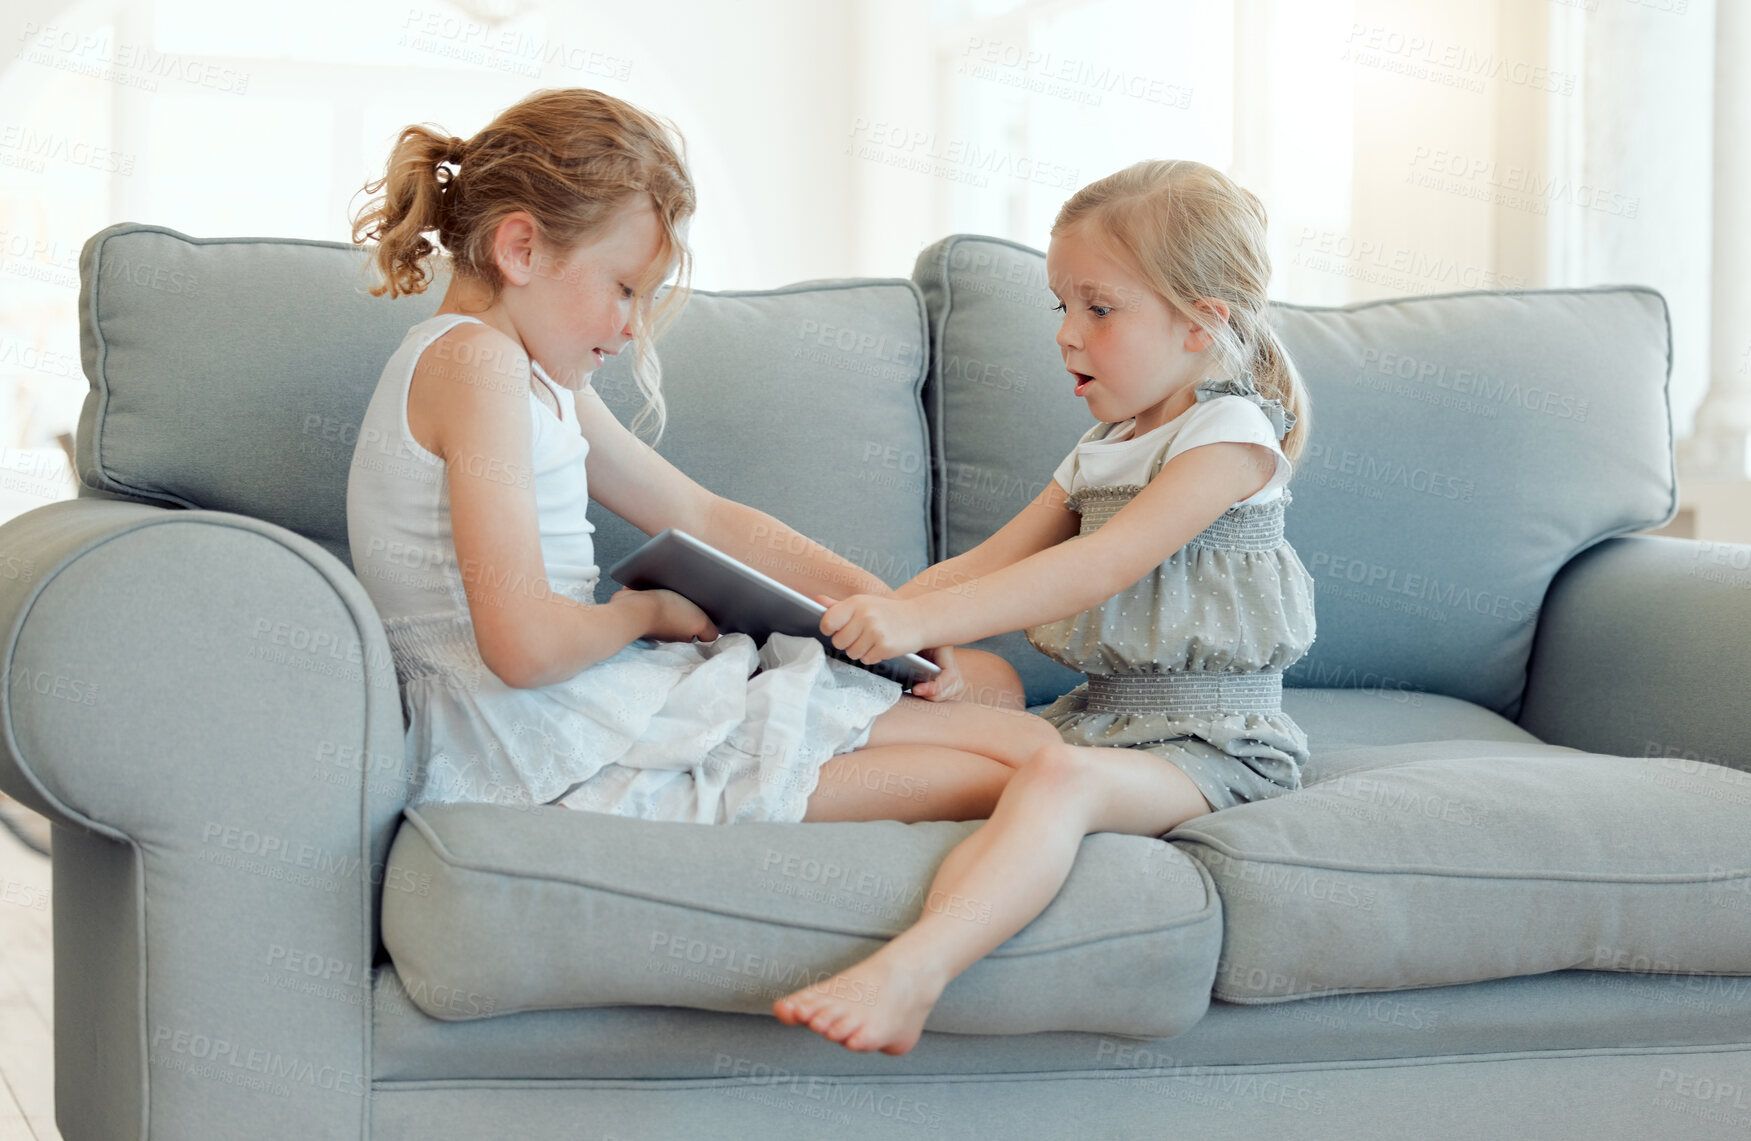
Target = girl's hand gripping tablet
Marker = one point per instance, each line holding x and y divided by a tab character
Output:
870	628
945	686
672	617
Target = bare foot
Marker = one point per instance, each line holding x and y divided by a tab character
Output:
879	1004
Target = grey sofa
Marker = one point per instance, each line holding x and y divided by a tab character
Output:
1512	899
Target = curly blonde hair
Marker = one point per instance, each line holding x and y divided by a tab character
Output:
569	157
1190	232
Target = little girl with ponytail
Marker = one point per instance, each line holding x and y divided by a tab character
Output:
1154	562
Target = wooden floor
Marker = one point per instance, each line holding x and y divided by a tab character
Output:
27	1076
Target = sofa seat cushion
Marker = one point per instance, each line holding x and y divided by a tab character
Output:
1563	1012
491	909
1338	720
1432	864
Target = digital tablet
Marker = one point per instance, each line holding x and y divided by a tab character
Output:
739	599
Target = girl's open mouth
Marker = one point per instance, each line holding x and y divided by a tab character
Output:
1083	380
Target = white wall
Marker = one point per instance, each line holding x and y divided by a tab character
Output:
777	99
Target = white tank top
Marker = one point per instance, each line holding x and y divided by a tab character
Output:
398	514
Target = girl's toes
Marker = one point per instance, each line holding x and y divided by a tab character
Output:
845	1029
799	1009
859	1040
824	1021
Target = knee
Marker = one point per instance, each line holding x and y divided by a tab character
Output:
1055	768
991	680
1044	731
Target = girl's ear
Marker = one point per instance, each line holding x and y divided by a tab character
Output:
1215	307
1201	337
513	247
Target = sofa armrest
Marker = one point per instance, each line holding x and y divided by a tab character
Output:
204	705
1644	649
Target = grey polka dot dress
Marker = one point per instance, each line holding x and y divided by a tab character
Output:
1188	662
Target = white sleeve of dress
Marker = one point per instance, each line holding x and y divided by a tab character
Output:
1063	474
1067	470
1234	419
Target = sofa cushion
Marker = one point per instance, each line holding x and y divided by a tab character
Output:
1462	447
1338	720
1433	864
232	373
546	908
803	402
1558	1012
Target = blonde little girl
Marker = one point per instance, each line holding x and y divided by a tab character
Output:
1154	561
479	452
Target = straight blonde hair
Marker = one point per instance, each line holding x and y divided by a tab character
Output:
1190	232
569	157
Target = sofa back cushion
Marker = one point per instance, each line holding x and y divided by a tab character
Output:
232	374
1462	447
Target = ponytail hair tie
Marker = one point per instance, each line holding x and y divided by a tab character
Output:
1244	385
453	151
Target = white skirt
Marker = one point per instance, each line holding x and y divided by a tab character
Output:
719	732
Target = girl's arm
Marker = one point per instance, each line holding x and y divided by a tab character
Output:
1189	493
1042	524
771	547
478	415
631	479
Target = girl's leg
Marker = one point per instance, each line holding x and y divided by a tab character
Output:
990	679
1008	735
993	884
907	783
